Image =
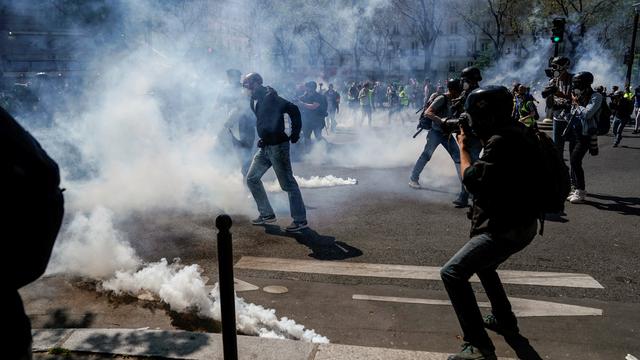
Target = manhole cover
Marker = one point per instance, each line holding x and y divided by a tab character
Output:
275	289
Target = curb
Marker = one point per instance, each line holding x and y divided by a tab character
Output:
201	346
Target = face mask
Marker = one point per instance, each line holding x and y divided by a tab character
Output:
465	85
556	73
577	92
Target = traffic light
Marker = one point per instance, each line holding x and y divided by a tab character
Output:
557	32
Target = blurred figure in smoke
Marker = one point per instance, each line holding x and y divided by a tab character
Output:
621	109
393	100
524	107
558	95
273	150
366	103
352	95
313	110
426	91
432	119
636	97
240	121
31	213
333	107
503	221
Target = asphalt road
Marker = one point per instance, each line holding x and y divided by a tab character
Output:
383	221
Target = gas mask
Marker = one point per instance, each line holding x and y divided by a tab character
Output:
465	85
577	92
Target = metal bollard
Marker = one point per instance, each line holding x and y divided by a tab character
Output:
227	295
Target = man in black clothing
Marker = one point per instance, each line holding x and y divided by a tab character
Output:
313	111
503	218
621	109
333	107
273	150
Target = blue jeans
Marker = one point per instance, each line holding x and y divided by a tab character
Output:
618	126
436	138
278	157
482	255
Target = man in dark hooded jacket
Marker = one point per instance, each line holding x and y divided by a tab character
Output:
273	150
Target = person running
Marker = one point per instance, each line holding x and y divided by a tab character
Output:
621	109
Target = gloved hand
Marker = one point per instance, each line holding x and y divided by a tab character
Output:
294	138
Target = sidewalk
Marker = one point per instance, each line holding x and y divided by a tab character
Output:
197	346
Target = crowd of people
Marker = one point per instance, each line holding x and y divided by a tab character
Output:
489	132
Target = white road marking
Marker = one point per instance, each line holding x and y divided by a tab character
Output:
410	272
521	307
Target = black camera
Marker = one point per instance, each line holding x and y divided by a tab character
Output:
453	125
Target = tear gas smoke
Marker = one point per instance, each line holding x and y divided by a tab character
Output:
313	182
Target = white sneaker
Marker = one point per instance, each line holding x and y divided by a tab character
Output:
578	197
571	193
414	184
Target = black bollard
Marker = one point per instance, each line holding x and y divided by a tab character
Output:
227	295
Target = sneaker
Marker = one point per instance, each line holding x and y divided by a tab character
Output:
615	145
578	197
261	220
571	193
296	226
414	184
491	323
470	352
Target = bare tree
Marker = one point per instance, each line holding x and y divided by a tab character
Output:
422	18
499	12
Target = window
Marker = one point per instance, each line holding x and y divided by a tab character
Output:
453	28
484	46
469	63
452	66
452	49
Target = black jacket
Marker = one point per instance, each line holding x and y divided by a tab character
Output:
270	109
504	182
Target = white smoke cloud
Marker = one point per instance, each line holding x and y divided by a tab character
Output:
183	289
91	246
313	182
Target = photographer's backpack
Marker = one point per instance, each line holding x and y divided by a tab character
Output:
554	179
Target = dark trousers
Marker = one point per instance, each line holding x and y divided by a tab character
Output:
482	255
558	129
578	147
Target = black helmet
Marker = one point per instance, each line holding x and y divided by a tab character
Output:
252	78
582	80
488	108
560	62
311	85
454	84
471	73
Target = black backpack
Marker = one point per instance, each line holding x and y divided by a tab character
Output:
604	120
553	177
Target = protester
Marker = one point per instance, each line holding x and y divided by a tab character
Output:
621	109
273	150
366	102
333	107
313	109
558	96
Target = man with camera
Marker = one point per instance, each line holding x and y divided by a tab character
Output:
500	225
434	119
558	96
273	150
